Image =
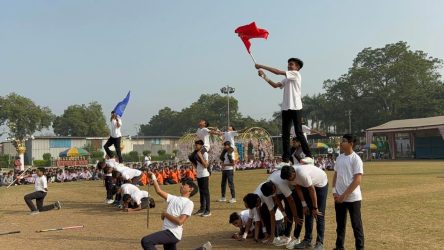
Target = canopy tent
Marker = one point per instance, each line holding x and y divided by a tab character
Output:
74	152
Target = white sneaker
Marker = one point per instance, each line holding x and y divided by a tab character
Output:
109	201
282	241
222	199
276	240
292	243
34	213
233	200
207	246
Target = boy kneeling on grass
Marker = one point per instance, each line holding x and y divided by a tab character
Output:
179	209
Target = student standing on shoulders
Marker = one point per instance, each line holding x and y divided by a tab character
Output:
115	138
291	104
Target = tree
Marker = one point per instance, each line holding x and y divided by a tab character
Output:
22	116
81	120
384	84
210	107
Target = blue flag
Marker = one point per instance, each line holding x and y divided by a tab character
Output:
120	107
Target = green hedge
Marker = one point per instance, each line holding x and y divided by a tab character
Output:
42	163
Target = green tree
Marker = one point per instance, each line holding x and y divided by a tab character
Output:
146	152
212	107
23	117
81	120
384	84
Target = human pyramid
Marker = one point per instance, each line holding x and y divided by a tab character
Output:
296	193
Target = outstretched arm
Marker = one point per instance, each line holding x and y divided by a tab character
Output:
272	70
159	191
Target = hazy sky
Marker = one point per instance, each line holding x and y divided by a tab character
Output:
168	53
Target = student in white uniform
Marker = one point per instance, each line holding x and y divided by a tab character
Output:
178	211
271	216
347	193
115	137
203	133
293	208
137	201
291	104
311	185
203	180
229	136
227	174
41	190
240	220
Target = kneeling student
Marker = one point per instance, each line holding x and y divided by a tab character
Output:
179	209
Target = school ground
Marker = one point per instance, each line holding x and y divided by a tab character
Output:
402	209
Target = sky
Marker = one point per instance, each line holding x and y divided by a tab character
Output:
168	53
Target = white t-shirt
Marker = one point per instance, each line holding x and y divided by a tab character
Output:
130	173
111	162
119	167
229	136
278	215
204	135
129	188
115	131
245	215
226	161
138	196
346	167
267	200
292	91
282	186
176	207
307	175
201	170
254	215
40	183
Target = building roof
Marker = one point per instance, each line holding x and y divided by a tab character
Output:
410	124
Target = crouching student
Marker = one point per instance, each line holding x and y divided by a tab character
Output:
179	209
240	221
137	201
253	203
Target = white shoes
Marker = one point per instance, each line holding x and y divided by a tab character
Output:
222	199
293	243
207	246
109	201
233	200
283	241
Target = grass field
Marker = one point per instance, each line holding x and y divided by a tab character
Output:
402	209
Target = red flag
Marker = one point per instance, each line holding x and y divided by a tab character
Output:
249	31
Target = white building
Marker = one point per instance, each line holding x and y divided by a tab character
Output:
39	145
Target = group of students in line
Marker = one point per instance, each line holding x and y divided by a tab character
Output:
66	174
297	194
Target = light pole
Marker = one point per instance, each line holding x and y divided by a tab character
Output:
227	90
349	112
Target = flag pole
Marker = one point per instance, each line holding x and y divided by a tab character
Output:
252	57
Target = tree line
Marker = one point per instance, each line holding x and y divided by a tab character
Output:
383	84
